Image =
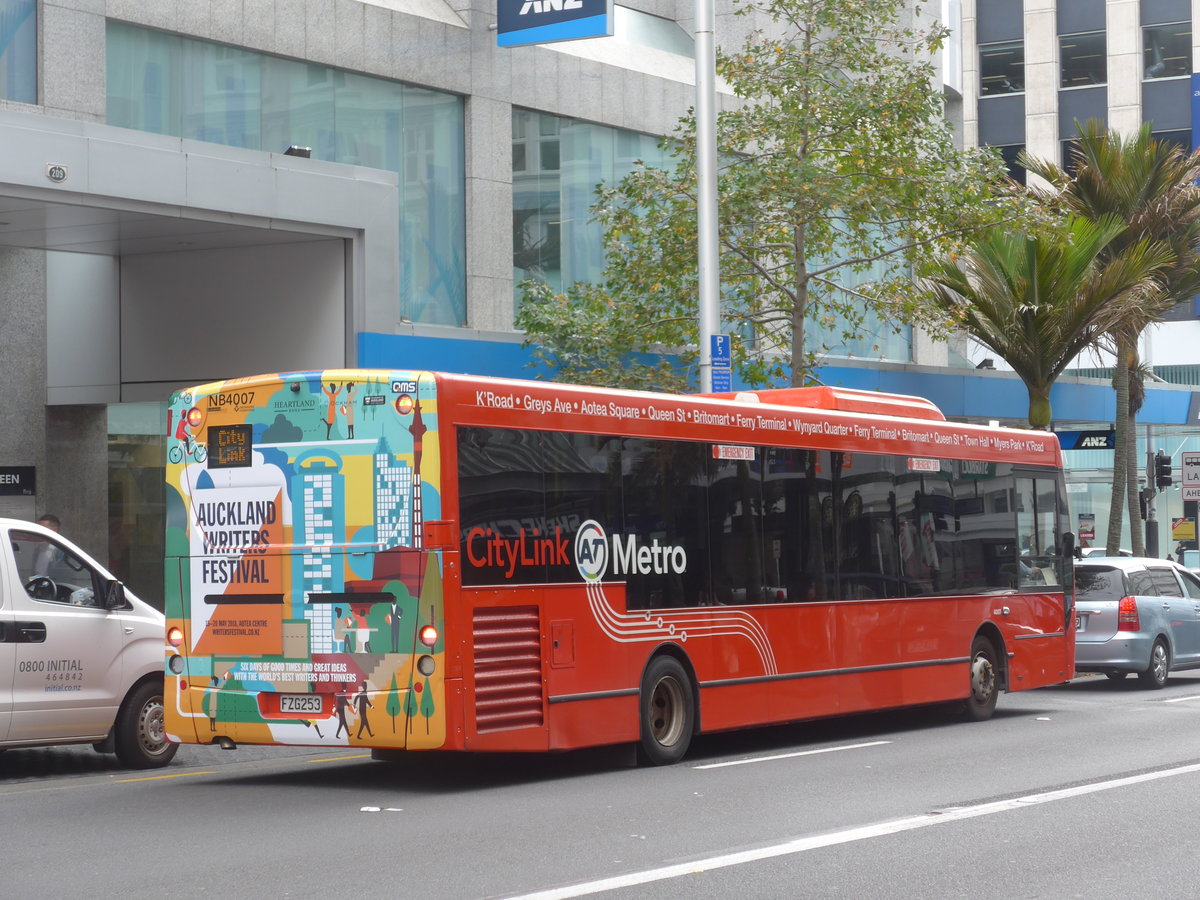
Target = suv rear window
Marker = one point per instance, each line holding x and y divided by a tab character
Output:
1094	583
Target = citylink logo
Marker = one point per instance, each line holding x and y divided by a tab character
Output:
545	6
629	556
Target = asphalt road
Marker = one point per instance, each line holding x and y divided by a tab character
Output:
1082	790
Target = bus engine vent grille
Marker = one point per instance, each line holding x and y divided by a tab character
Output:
508	668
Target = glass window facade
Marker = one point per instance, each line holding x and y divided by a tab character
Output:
1001	68
636	27
168	84
18	50
1010	154
557	164
1082	59
1167	50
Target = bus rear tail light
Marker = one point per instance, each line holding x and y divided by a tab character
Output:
428	635
1127	615
175	636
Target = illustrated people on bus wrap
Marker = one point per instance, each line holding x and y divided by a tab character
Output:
348	410
341	702
211	700
362	634
331	411
340	637
362	700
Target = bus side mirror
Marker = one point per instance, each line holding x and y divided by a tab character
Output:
1068	546
114	595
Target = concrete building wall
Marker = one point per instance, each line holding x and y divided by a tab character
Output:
23	361
189	318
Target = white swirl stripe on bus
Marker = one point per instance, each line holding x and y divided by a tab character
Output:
660	625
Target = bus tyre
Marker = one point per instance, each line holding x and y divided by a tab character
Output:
140	733
1155	675
667	712
985	682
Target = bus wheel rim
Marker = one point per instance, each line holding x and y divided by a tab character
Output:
667	711
983	678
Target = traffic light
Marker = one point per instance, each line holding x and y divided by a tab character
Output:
1162	470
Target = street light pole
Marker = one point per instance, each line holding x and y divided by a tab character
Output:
706	195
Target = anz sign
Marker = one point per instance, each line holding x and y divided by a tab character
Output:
520	22
1087	440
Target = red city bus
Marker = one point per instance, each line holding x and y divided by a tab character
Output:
414	560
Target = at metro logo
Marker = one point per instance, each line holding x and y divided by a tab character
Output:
628	554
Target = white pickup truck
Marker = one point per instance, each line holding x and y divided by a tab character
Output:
81	658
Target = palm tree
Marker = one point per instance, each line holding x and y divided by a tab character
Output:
1039	300
1151	186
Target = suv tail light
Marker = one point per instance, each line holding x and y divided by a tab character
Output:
1127	615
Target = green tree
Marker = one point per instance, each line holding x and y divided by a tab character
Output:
839	175
393	707
1038	300
1150	186
428	708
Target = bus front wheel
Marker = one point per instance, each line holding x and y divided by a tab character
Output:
667	712
985	681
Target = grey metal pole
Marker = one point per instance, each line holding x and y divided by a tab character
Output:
706	177
1151	540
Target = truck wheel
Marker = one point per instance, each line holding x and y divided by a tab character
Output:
140	732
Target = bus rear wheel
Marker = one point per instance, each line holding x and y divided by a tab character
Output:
985	681
667	712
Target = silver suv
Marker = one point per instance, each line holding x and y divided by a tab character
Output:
1136	615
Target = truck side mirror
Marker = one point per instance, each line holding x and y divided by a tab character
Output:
114	595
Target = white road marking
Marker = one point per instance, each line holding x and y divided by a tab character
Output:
864	832
758	759
1181	699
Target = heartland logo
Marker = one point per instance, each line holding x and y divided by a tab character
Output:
545	6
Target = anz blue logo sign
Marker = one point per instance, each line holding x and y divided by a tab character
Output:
520	22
